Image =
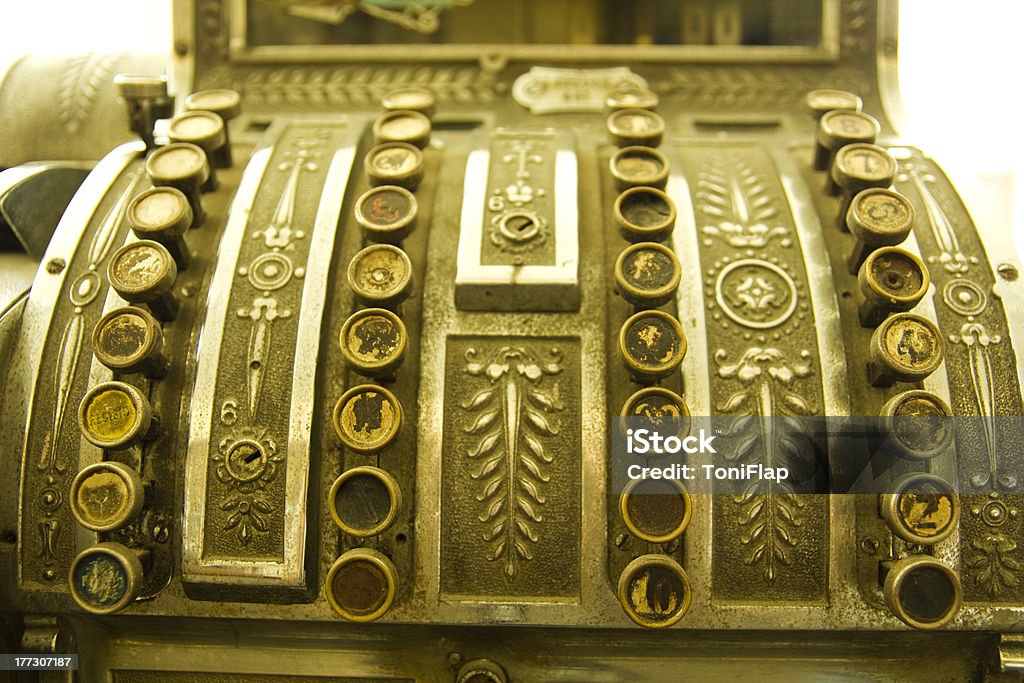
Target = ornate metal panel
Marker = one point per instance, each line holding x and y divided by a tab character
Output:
519	242
496	499
764	368
73	296
248	461
511	469
983	383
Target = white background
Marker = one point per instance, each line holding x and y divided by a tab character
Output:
960	74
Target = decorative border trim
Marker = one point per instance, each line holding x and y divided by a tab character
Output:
42	302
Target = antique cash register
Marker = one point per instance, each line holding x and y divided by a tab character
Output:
340	311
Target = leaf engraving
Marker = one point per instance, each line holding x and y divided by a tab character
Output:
992	564
767	429
82	79
735	200
511	418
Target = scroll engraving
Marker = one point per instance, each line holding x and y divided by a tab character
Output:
977	339
951	256
767	538
82	292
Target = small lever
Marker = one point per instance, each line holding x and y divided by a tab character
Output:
147	100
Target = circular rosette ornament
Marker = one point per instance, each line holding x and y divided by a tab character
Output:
246	461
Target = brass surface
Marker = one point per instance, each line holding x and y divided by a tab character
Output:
660	183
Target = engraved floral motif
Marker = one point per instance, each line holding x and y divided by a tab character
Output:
756	293
994	567
49	530
273	270
733	196
990	559
517	226
212	27
148	528
767	430
856	39
263	312
247	461
82	292
753	87
512	425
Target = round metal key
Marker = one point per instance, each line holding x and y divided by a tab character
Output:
654	591
410	99
645	214
364	501
387	214
631	96
373	342
202	128
380	275
402	126
129	340
162	215
919	423
361	585
638	166
115	415
652	345
183	166
105	578
227	104
859	166
144	272
395	163
647	274
636	127
106	496
655	510
659	408
838	128
923	508
367	418
922	592
904	348
140	87
481	671
819	102
205	130
892	280
877	217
